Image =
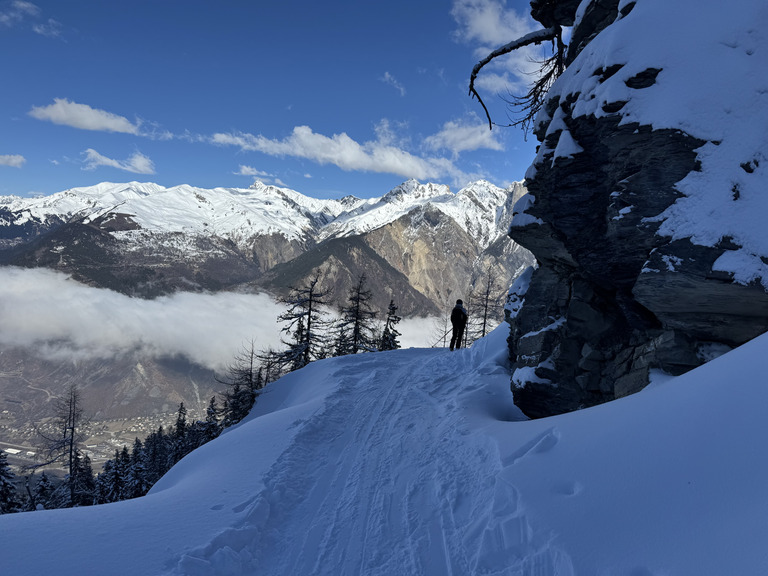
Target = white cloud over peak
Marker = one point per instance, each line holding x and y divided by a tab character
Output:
13	160
138	163
259	175
462	136
339	150
82	116
251	171
380	155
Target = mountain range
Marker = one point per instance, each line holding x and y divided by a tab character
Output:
423	243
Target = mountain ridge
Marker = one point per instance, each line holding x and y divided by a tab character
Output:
146	240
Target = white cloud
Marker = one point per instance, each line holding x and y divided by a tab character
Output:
464	135
137	163
62	319
392	81
251	171
17	11
489	24
342	151
260	176
82	116
51	28
13	160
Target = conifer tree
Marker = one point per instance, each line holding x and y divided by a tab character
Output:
42	494
9	501
108	486
244	381
211	428
389	336
342	344
179	439
305	323
156	455
357	319
84	482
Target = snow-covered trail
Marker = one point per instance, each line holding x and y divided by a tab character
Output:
386	478
412	463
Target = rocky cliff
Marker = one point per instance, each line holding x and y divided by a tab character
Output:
643	202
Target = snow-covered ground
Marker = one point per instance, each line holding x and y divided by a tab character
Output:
416	462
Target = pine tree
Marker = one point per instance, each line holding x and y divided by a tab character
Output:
156	455
43	490
83	481
9	501
357	319
389	336
342	344
244	381
178	439
211	428
136	478
305	324
109	484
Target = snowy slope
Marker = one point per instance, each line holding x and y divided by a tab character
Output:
416	462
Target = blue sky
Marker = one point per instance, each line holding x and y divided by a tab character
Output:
328	98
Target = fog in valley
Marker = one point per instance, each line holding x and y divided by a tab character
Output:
62	319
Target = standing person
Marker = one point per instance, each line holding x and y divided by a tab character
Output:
458	321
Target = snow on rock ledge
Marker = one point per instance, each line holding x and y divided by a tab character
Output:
652	151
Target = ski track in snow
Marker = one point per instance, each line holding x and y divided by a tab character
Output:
388	482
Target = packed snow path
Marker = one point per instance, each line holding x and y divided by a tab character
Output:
384	480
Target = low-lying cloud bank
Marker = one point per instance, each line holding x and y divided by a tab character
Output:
65	320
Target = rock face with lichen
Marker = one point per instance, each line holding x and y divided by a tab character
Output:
643	205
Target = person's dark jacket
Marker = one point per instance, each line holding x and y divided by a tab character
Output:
459	315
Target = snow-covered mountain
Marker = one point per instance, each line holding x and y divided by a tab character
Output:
415	462
229	212
238	214
145	240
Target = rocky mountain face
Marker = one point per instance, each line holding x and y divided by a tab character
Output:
630	280
422	244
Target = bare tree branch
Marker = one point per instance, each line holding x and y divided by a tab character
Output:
537	37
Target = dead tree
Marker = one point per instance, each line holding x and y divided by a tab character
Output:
62	444
527	106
